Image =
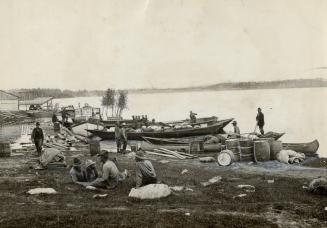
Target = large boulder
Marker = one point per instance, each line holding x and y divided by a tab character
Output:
151	191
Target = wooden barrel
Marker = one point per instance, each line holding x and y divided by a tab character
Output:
275	148
234	146
5	150
246	142
56	126
261	151
246	150
225	158
94	147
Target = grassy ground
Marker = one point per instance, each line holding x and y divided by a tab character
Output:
284	203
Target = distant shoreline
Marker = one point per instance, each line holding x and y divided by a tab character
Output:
228	86
213	90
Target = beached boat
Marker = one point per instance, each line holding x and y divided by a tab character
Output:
81	128
167	133
172	141
307	148
199	121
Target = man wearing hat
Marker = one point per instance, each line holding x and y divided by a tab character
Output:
124	137
37	138
237	131
260	121
77	174
111	176
90	171
118	136
145	173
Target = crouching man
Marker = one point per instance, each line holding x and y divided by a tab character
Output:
77	173
145	173
111	176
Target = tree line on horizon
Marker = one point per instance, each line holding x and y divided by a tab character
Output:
28	94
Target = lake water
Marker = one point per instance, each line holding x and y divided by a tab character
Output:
300	113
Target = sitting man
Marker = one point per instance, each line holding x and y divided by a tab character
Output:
145	173
90	171
77	174
110	173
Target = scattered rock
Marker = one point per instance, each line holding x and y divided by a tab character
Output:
164	161
90	188
207	159
37	191
189	189
184	171
187	214
212	181
240	196
97	196
151	191
271	181
247	187
177	188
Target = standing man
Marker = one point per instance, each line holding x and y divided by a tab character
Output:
260	121
118	136
124	137
237	131
193	117
145	173
37	138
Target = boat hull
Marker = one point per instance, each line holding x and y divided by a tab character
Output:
308	149
176	133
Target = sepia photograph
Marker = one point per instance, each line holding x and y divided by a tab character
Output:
163	113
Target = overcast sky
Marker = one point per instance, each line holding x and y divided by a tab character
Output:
88	44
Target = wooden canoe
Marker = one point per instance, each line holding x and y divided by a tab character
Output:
199	121
171	141
183	148
169	133
307	148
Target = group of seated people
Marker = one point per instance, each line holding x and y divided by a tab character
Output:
87	174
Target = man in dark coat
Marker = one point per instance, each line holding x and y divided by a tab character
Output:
37	138
260	121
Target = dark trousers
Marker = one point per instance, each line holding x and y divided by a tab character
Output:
261	130
118	143
124	141
38	145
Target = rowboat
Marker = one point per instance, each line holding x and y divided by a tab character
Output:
307	148
167	133
187	140
199	121
172	141
184	148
